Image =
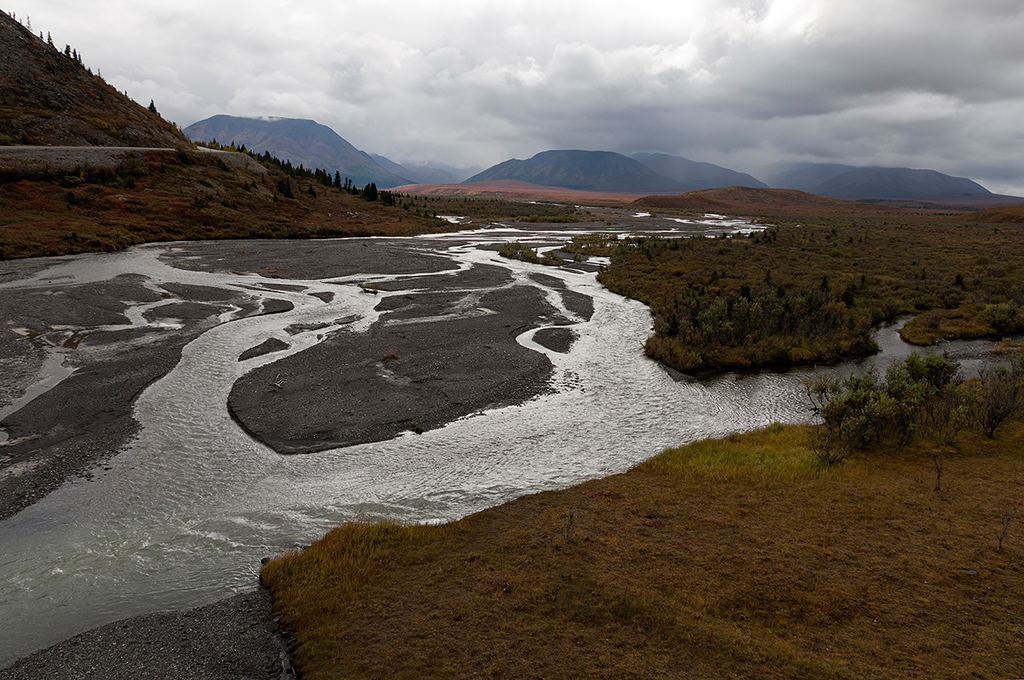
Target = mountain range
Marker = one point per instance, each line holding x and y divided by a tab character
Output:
300	141
314	145
695	175
850	182
606	171
581	170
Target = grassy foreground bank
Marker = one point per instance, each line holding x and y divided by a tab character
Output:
738	557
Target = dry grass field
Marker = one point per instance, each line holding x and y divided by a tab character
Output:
740	557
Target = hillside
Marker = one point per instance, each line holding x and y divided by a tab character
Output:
694	175
93	171
1007	215
752	201
847	181
143	196
601	171
48	96
299	141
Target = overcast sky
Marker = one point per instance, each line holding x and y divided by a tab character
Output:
921	83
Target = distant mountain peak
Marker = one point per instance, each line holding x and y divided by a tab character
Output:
853	182
299	140
604	171
694	175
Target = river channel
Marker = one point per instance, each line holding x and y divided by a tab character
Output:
184	513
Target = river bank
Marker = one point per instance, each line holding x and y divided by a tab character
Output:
184	513
235	638
117	325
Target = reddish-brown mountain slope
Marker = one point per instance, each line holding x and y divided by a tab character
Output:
509	188
1008	215
749	200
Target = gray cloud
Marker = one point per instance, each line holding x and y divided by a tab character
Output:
922	83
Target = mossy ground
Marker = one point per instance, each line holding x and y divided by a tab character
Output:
738	557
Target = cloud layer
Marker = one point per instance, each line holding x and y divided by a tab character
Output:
743	83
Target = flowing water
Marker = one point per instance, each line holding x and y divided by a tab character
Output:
183	515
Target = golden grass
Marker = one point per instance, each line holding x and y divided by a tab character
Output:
737	557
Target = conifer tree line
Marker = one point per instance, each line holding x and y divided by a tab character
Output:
322	177
69	52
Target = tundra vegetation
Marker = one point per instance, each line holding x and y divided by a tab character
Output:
514	250
812	294
880	542
737	557
188	195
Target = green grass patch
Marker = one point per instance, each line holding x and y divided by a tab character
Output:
775	451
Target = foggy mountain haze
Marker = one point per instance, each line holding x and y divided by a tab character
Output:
696	175
738	83
422	173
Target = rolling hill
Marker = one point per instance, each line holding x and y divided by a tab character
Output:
49	97
694	175
602	171
850	182
756	201
299	141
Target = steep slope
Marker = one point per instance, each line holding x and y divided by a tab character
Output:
695	175
846	181
48	97
303	142
584	170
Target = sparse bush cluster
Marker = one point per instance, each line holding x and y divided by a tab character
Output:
798	295
300	172
918	397
515	250
599	245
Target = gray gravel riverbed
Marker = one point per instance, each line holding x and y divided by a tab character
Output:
437	353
